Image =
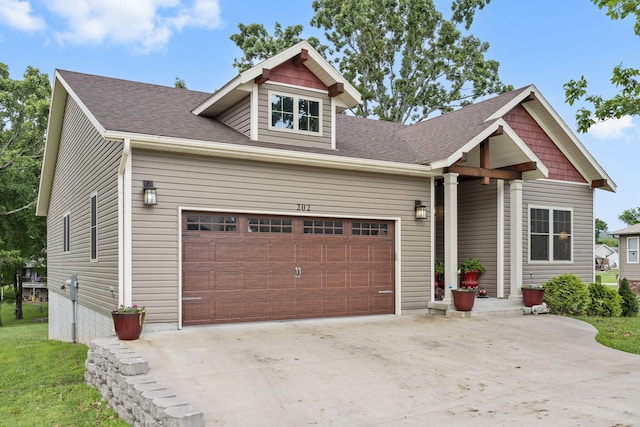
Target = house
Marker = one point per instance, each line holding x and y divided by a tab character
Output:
606	257
263	201
628	246
34	285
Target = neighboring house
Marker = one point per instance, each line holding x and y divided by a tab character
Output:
608	257
269	203
629	247
34	285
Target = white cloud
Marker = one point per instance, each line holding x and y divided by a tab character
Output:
18	14
613	128
147	25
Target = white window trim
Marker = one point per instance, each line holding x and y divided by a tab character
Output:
296	98
91	242
66	232
551	234
637	261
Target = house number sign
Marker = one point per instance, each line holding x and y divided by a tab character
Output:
303	207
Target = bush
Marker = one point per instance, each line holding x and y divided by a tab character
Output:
9	295
605	301
567	295
629	300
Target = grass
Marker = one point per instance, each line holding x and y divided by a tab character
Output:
609	276
621	333
42	381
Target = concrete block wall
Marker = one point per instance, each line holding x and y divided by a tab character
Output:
120	375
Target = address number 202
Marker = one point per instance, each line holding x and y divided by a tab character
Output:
303	207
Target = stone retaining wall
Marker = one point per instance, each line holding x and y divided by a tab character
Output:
120	375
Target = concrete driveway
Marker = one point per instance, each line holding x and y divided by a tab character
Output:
398	371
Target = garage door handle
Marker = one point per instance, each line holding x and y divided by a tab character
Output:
297	271
191	298
385	292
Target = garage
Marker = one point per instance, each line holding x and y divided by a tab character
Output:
245	268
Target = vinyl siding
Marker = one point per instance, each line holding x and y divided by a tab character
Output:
236	186
477	228
630	271
555	194
86	163
290	137
238	117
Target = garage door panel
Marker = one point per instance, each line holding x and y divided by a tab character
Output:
284	268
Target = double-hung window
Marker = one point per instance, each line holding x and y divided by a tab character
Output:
296	113
550	237
632	250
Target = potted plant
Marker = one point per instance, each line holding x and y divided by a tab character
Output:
464	298
532	294
470	269
127	321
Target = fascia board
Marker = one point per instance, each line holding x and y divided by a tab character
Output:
262	154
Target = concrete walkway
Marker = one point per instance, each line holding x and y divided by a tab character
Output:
398	371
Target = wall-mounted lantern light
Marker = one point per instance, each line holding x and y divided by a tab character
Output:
150	197
421	210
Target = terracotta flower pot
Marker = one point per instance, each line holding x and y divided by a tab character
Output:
531	297
128	326
463	300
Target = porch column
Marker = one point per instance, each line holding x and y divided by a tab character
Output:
516	239
450	234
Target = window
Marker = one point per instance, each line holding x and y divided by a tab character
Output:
295	113
322	227
270	225
211	223
550	234
66	232
632	250
94	227
369	229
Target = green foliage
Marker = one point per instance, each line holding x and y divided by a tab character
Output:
612	242
179	83
471	264
42	382
257	44
406	60
630	216
626	80
600	227
567	295
629	299
605	301
621	333
24	108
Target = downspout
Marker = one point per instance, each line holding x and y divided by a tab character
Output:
124	225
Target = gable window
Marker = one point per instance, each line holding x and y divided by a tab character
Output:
295	113
94	227
632	250
550	236
66	232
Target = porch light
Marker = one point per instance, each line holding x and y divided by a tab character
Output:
421	210
150	197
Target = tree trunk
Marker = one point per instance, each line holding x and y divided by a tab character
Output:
17	287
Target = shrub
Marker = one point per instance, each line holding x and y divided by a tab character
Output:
605	301
567	295
629	300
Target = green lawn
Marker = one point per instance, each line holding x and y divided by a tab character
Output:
621	333
42	381
608	276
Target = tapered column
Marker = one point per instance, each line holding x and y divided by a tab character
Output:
515	191
450	234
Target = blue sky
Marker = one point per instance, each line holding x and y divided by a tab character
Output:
544	42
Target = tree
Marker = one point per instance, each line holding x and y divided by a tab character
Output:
600	227
626	80
24	108
405	59
179	83
630	216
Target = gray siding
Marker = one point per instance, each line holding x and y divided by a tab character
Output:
86	163
630	271
290	137
238	117
477	228
237	186
556	194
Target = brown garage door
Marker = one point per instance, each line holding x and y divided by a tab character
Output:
240	268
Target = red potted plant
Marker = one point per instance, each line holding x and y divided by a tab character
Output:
532	294
464	298
127	321
470	269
